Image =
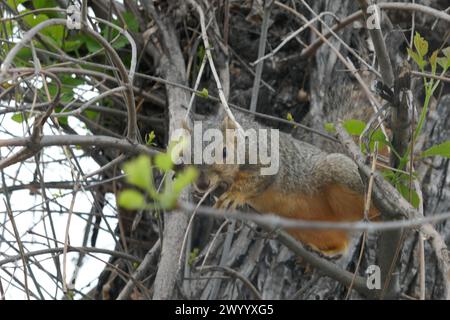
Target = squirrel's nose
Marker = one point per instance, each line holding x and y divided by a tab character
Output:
202	183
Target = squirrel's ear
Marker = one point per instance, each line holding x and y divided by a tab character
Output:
186	126
228	123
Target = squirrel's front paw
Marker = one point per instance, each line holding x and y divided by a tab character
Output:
229	201
225	201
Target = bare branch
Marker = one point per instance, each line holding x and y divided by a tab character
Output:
275	221
70	249
235	274
141	271
261	50
208	48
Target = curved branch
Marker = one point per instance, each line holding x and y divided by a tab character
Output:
123	145
235	274
275	221
70	249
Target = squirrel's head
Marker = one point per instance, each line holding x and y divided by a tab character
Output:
231	154
220	169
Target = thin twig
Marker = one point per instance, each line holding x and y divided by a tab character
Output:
213	241
367	204
197	83
189	226
84	141
429	75
376	35
20	244
146	264
60	250
208	48
276	221
288	38
66	240
261	50
342	42
234	274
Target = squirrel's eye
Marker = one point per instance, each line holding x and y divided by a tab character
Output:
224	152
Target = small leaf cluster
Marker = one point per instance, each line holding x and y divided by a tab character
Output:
139	173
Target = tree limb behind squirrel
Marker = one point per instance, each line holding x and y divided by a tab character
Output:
310	185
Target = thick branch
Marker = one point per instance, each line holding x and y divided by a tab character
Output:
173	69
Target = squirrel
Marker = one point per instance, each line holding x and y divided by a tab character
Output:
310	184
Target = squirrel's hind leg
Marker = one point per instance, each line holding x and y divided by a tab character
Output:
327	242
348	205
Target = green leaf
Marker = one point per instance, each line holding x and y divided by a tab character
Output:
289	117
66	92
442	149
90	114
131	199
193	255
329	127
413	55
48	41
379	136
24	53
421	45
433	61
417	59
138	172
38	4
388	174
63	121
72	45
163	161
405	192
354	127
34	19
446	52
18	117
114	36
201	52
121	42
8	29
444	62
204	93
72	81
167	200
149	138
131	21
15	3
55	32
184	178
91	44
